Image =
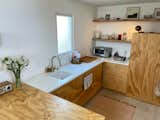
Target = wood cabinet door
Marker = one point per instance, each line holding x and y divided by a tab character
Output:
86	95
155	65
98	75
115	77
143	63
71	90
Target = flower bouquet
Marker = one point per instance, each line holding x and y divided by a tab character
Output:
16	65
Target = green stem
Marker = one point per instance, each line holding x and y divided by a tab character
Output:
18	78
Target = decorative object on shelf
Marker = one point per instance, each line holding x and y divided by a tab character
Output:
118	18
5	87
107	17
118	41
112	37
109	37
127	20
97	34
119	36
157	13
103	36
16	65
133	12
124	36
138	28
148	16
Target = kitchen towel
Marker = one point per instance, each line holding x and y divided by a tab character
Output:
88	80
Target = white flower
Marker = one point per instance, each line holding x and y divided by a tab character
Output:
23	61
7	60
15	63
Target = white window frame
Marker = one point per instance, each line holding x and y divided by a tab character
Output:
73	41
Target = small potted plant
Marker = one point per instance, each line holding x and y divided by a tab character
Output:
16	65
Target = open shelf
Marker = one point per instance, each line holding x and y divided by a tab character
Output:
127	20
119	41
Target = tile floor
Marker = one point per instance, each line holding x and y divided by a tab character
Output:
144	111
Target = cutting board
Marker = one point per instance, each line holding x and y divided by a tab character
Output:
88	59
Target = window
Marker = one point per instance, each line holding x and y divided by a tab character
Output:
64	33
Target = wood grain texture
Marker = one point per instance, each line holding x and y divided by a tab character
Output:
31	104
155	69
86	95
144	65
88	59
71	90
115	77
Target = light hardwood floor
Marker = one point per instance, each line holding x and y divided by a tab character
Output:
144	111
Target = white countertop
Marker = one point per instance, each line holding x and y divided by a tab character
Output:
49	84
110	60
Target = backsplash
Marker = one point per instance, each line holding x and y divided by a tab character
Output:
65	58
122	48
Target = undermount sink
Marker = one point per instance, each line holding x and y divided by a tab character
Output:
60	75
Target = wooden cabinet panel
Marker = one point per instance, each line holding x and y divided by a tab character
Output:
115	77
144	65
74	91
95	87
98	74
71	90
154	72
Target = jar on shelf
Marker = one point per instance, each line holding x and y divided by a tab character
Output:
97	34
124	36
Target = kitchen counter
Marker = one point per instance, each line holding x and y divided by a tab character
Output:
29	103
49	84
111	60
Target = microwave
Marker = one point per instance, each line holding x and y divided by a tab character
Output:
102	52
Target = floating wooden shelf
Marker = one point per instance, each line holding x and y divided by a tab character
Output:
128	20
105	40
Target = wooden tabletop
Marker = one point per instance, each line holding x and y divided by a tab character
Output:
29	103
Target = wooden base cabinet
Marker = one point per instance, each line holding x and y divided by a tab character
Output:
115	77
86	95
144	68
74	91
71	90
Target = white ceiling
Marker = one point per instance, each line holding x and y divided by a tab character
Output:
116	2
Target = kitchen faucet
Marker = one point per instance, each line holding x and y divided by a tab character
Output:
59	61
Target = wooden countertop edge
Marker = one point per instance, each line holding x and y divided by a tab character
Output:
27	104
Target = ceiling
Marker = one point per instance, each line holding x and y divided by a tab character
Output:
116	2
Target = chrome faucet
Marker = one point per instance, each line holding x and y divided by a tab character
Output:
52	60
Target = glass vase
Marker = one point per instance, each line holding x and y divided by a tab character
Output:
18	83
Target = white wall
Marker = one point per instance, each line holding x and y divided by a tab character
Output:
28	27
129	27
